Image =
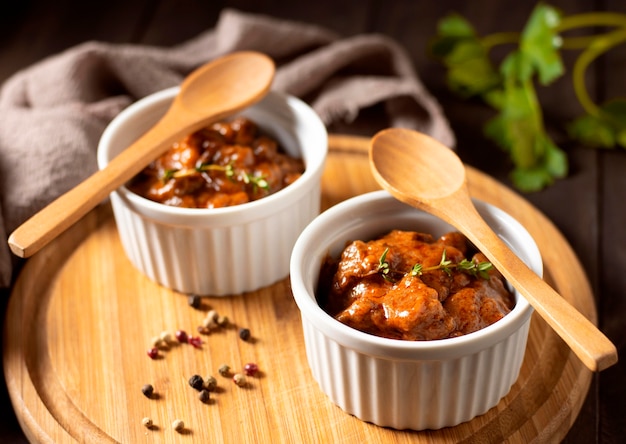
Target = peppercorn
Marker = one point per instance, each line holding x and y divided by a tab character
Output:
147	390
204	395
211	315
153	353
203	330
210	383
196	382
195	341
244	333
224	370
166	337
147	422
251	369
181	335
222	321
194	301
178	425
239	379
208	323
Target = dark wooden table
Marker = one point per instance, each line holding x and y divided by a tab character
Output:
588	207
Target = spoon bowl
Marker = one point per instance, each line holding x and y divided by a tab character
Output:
423	173
213	92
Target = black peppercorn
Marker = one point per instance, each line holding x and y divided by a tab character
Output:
194	301
244	333
196	382
147	390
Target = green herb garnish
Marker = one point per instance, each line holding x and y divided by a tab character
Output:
518	126
229	171
476	269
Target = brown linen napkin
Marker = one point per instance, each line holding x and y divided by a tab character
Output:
53	113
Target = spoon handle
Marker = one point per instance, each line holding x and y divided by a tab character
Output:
67	209
593	348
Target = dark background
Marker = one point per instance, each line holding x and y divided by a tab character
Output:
588	207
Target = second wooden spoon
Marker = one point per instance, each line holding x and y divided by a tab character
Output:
423	173
211	93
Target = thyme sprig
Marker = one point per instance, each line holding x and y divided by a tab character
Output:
476	269
229	171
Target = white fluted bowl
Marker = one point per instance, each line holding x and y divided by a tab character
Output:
406	384
220	251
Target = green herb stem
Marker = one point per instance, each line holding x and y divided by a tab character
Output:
499	38
591	19
599	46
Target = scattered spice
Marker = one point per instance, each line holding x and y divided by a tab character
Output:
147	422
222	321
196	382
194	301
251	369
166	337
147	390
210	383
224	370
181	336
178	425
153	353
195	341
244	333
204	395
239	379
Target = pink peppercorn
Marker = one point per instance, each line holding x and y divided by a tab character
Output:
251	369
153	353
181	335
195	341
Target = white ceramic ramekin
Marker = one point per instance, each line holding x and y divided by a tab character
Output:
406	384
221	251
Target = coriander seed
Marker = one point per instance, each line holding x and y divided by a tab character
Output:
147	422
196	382
224	370
204	395
147	390
178	425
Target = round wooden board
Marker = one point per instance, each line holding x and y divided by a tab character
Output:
81	318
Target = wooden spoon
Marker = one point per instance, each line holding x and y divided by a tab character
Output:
211	93
423	173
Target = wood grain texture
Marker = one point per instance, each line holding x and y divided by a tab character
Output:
80	320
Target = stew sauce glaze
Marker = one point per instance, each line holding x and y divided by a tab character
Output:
213	167
434	305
